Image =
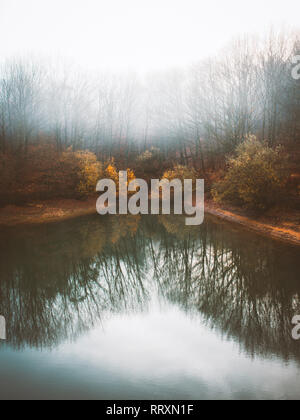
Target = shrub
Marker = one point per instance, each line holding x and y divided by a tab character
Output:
255	178
111	172
180	172
149	155
150	164
72	174
89	171
44	173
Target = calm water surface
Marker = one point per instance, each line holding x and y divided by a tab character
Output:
147	308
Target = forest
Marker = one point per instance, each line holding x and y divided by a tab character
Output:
232	119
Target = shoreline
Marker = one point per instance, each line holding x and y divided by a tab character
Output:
48	211
44	212
262	226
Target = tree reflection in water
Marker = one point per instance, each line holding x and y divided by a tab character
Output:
58	281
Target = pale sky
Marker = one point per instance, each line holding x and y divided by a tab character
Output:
137	34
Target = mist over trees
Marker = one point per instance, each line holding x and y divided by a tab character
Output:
193	116
248	88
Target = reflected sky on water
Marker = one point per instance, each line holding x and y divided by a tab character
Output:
126	307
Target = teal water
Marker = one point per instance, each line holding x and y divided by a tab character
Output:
125	307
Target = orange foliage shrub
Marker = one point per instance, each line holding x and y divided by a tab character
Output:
111	172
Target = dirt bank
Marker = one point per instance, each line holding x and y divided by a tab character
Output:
46	212
284	226
277	224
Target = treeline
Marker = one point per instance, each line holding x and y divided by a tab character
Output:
192	117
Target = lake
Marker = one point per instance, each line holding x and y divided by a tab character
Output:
125	307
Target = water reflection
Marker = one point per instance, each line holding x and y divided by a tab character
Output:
58	281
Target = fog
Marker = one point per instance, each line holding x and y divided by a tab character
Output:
141	35
192	79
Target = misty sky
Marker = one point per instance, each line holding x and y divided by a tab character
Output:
138	34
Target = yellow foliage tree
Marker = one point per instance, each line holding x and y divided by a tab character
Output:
89	171
255	178
82	169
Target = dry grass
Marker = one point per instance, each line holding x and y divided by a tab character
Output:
46	211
